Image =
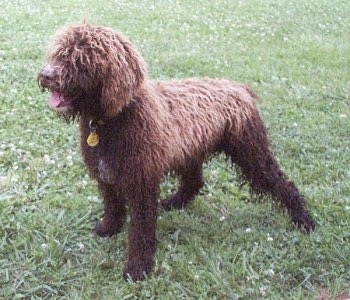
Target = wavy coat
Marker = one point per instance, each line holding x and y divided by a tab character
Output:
147	128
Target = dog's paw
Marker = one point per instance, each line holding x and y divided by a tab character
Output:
304	222
166	205
173	203
103	230
137	270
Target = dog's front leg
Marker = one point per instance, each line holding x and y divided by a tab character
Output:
114	210
142	235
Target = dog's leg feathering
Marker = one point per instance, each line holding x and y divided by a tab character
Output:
190	183
258	166
114	211
143	195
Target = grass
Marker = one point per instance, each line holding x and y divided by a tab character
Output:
227	245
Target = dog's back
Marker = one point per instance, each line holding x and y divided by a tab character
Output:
198	112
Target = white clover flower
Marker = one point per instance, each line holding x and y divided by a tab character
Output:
83	183
269	238
81	247
270	272
262	291
46	158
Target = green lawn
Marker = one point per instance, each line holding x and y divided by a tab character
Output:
227	245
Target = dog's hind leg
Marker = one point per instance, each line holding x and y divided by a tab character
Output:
251	153
114	211
191	181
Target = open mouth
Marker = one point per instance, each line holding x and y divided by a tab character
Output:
58	103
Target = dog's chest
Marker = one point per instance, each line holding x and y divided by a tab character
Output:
102	165
100	153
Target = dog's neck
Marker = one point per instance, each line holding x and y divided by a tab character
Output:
93	138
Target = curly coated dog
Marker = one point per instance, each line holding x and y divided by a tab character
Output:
135	130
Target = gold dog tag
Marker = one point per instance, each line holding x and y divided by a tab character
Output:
93	139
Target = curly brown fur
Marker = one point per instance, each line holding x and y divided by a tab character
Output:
151	127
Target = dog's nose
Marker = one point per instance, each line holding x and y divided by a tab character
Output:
48	73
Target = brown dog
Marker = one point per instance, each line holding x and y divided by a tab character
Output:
135	130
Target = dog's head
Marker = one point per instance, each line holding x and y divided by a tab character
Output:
91	70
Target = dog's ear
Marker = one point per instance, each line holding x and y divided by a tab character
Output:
124	73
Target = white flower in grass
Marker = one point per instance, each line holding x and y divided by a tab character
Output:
84	183
48	160
81	247
93	199
270	272
269	238
262	290
248	230
70	160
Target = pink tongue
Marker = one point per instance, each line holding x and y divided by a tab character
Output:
55	100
